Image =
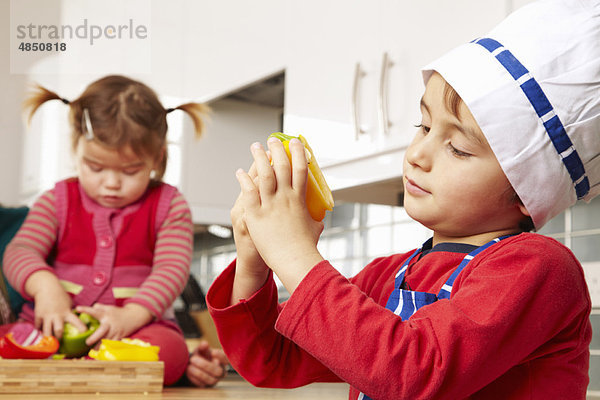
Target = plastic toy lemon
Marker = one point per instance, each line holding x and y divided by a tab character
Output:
125	350
318	195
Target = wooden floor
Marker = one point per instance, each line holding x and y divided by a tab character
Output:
232	387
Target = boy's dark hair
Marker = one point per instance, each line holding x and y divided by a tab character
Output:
453	101
526	225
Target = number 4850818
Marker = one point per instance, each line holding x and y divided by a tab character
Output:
26	46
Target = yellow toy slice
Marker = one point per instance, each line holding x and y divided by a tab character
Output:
125	350
318	195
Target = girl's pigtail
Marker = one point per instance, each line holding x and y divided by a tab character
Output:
197	112
38	96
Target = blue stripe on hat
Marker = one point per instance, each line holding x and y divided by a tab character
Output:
517	69
536	96
554	127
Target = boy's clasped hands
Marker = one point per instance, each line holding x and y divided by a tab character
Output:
271	224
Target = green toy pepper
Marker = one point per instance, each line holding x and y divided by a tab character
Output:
72	343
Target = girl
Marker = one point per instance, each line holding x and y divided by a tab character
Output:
120	240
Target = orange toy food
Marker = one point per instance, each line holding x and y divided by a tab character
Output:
318	195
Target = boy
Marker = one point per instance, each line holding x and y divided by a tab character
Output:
509	137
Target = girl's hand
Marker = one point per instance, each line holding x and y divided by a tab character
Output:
275	212
52	304
207	366
116	322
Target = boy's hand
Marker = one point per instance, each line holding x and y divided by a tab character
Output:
275	212
52	304
116	322
247	255
250	271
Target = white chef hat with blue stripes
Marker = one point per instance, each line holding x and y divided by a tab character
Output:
533	86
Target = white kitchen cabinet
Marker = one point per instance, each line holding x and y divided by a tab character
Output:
204	49
390	40
416	33
228	44
328	39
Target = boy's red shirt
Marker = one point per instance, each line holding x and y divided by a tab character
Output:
517	327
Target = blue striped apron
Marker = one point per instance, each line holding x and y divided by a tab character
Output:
405	303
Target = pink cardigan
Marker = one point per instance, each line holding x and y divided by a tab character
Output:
140	253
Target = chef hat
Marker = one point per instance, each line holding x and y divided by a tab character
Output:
533	86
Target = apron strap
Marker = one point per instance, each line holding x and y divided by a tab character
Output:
446	289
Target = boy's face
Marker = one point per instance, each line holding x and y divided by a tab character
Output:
453	183
112	178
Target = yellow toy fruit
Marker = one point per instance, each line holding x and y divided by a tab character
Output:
125	350
318	195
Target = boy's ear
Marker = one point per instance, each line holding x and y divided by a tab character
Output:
520	205
523	209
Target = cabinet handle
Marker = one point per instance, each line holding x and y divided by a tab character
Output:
384	121
358	73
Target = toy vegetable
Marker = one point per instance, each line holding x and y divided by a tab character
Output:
44	348
72	343
318	195
125	350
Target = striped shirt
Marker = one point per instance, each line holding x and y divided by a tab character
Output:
171	260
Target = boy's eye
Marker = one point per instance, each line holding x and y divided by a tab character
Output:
458	153
425	128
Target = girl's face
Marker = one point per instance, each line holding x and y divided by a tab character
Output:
453	183
112	178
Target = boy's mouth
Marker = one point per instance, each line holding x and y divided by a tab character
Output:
413	188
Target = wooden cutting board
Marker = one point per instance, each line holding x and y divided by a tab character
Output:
80	376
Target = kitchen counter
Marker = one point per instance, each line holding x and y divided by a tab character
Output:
232	387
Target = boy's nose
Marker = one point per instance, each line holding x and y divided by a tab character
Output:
419	153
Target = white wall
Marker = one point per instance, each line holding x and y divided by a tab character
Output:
14	133
11	127
209	181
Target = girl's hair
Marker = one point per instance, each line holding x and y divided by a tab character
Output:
122	112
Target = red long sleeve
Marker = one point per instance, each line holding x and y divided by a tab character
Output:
516	327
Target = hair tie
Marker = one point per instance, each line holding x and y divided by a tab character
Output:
65	100
168	110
